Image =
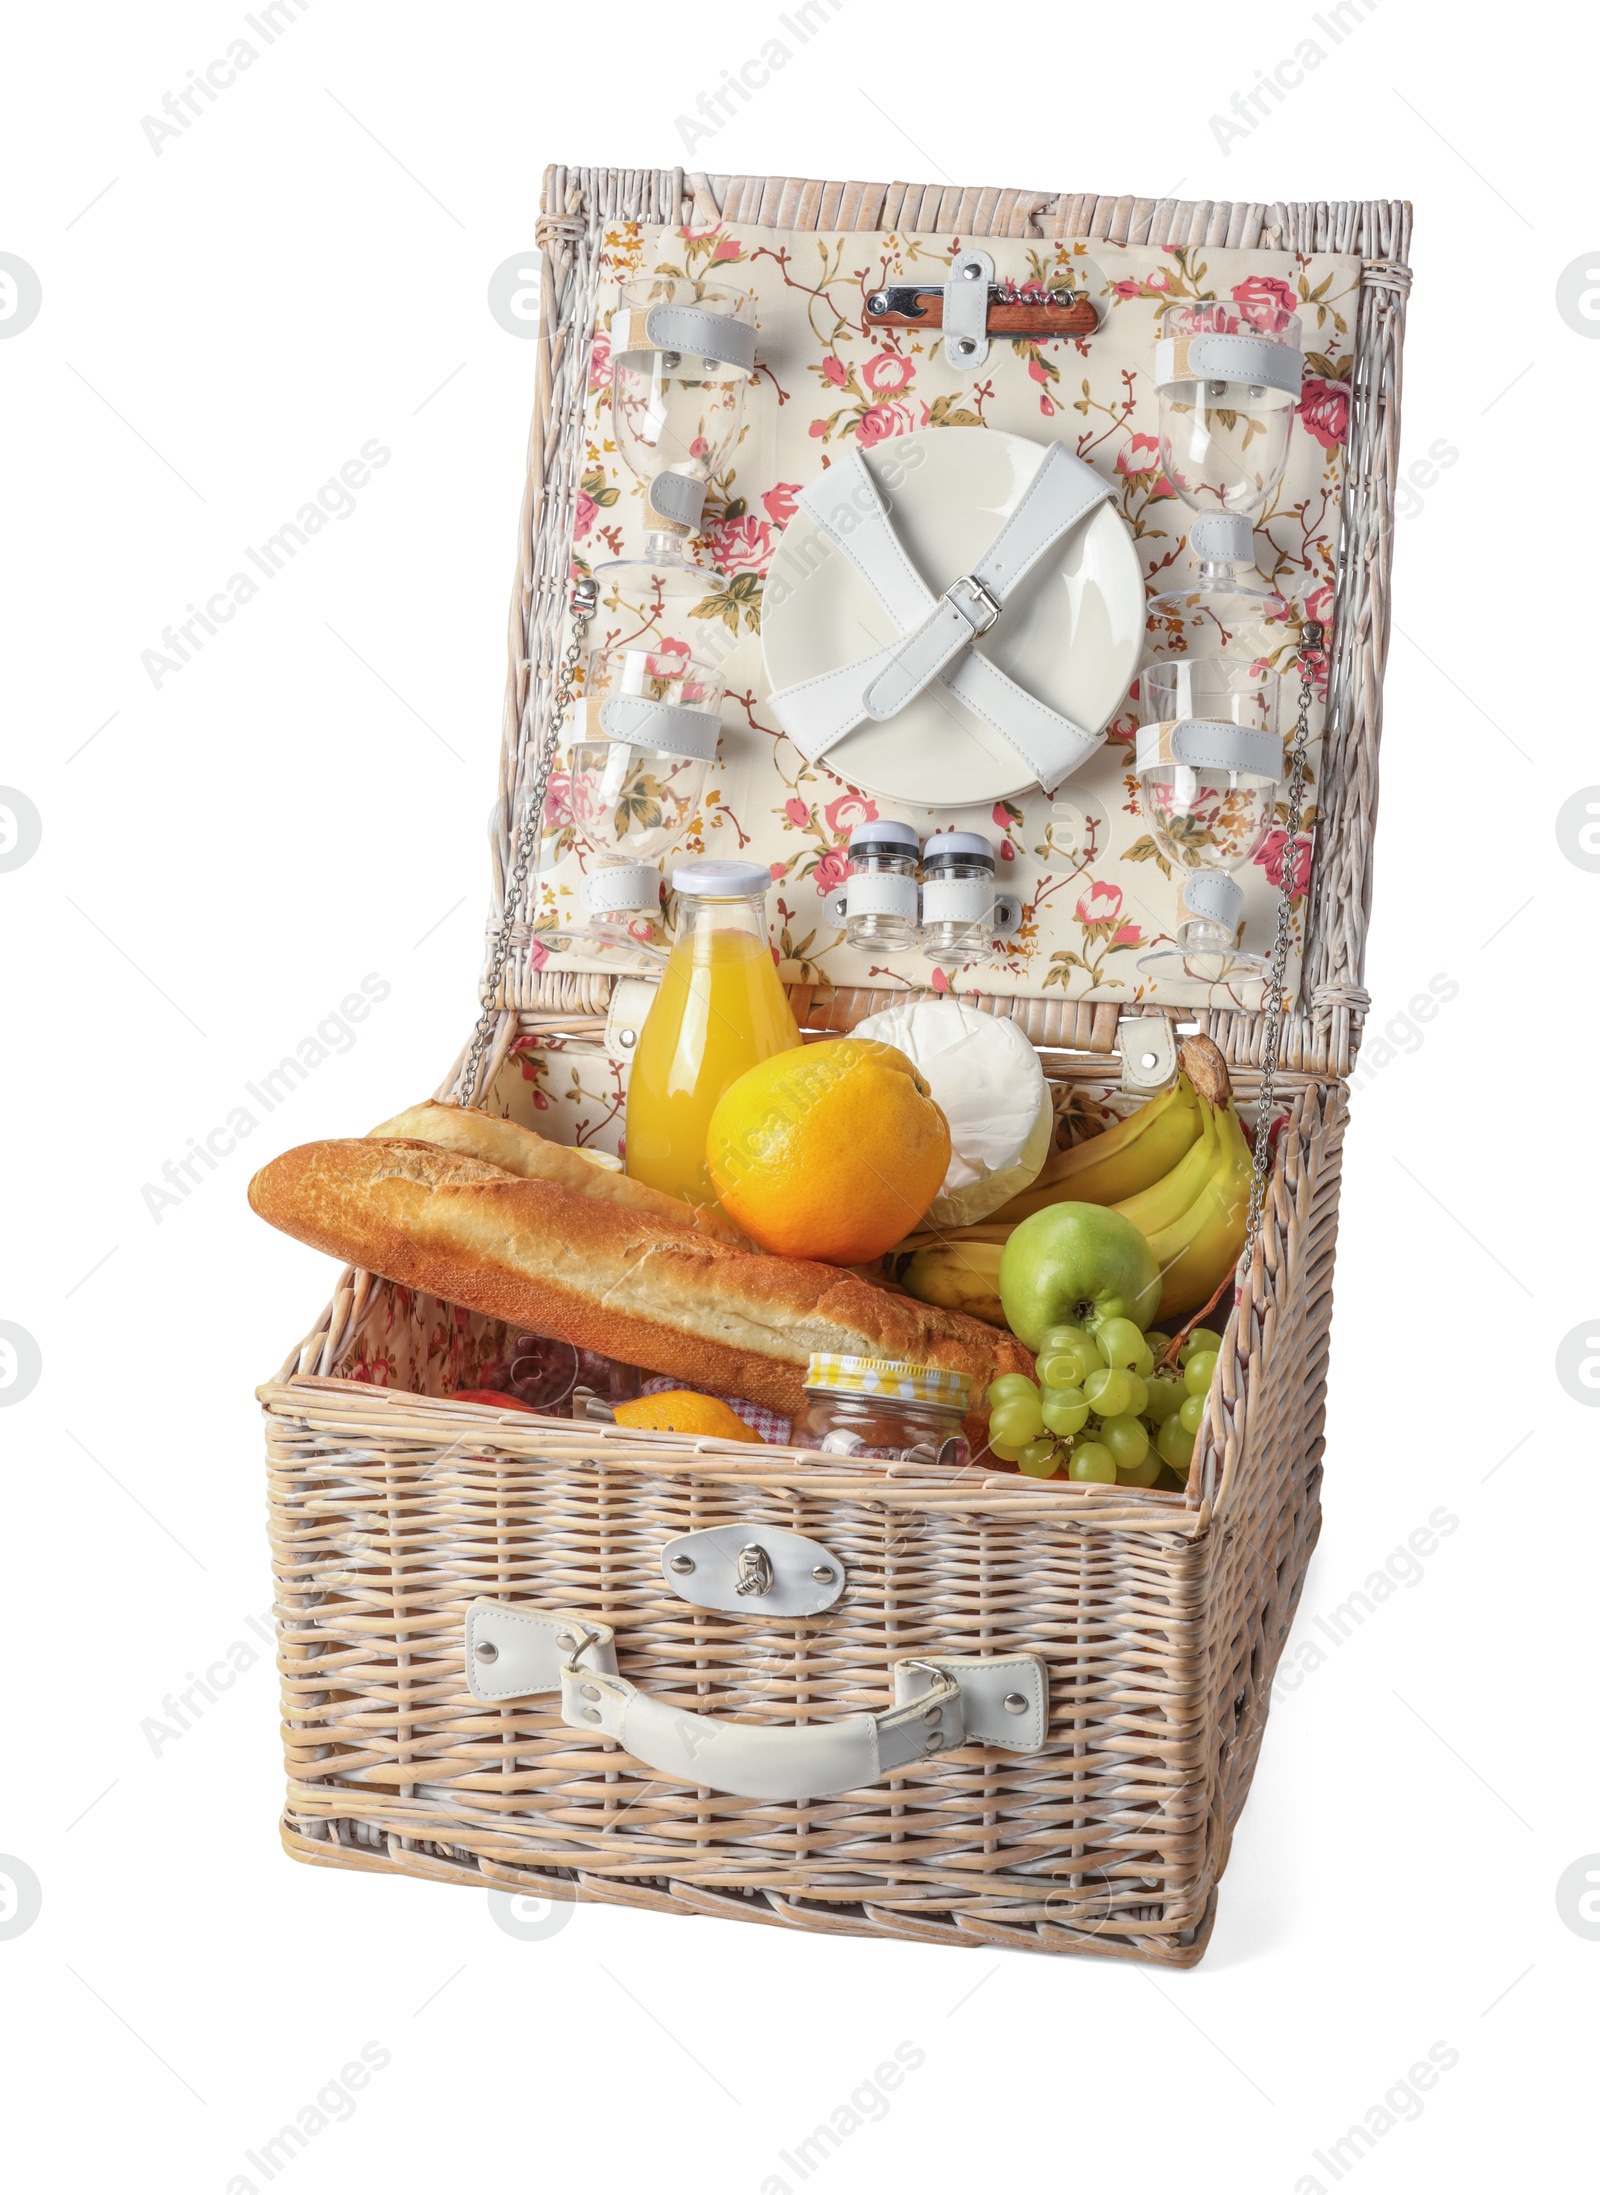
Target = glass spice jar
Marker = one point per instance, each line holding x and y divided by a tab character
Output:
874	1407
881	888
958	897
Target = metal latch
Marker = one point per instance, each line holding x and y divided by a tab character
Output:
740	1568
755	1570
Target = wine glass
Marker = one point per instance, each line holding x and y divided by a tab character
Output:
1225	438
1209	757
1225	610
653	722
677	411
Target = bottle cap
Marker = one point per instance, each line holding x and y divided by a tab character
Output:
957	846
900	836
722	879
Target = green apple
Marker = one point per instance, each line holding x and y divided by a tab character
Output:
1074	1261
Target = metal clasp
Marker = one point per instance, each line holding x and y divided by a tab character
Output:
980	610
570	1667
755	1570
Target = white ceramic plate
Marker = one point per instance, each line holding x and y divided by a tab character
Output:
1070	634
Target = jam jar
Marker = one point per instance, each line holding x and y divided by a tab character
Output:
875	1407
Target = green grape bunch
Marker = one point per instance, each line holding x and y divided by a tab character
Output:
1098	1408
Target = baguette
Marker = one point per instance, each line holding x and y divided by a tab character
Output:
607	1276
517	1150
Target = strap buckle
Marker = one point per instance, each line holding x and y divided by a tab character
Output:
977	605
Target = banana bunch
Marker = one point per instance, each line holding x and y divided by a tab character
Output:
1180	1169
1194	1217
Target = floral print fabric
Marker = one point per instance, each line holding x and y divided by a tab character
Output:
1097	891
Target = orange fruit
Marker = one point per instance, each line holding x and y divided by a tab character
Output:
834	1151
680	1410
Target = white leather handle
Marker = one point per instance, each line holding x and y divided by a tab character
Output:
940	1703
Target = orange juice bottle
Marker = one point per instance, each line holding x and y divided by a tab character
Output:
720	1010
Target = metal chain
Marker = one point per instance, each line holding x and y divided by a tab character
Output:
585	594
1272	1005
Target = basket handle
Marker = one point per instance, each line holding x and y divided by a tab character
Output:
940	1702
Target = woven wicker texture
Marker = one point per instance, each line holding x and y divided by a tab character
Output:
1161	1615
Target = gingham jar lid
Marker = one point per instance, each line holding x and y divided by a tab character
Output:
887	1376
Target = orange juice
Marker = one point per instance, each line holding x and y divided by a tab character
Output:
719	1011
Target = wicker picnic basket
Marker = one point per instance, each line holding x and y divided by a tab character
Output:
1160	1617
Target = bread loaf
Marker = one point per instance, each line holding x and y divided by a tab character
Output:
507	1144
607	1276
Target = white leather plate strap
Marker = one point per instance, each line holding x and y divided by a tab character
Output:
666	726
1249	358
846	504
1204	744
940	1703
1059	494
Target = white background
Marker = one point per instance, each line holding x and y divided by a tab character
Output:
224	324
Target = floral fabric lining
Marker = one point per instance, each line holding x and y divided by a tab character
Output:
1096	889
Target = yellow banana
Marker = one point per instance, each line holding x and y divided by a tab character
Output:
958	1276
934	1238
1199	1249
1169	1198
1120	1161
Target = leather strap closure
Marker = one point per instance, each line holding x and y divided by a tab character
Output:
940	1703
1057	497
696	332
622	887
1250	358
966	310
667	727
1214	896
965	611
1225	537
1203	744
677	497
938	632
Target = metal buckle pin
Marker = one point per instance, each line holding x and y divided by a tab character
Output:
976	604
